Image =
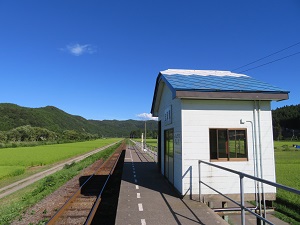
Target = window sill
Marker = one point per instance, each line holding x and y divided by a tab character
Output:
229	160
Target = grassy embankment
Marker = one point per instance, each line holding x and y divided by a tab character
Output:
17	163
150	142
14	205
287	160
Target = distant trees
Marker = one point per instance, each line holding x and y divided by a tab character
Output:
65	126
138	133
3	136
77	136
28	133
286	122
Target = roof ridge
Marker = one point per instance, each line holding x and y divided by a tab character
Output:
202	72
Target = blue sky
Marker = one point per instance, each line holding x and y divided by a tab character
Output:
100	59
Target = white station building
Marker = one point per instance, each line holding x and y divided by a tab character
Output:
219	117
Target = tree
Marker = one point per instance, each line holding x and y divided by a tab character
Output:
3	137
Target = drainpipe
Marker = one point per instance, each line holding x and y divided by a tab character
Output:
261	161
255	162
256	157
254	152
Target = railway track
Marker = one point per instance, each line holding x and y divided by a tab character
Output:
82	205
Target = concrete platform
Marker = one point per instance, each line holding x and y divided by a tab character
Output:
146	197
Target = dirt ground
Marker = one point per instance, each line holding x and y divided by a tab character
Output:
46	208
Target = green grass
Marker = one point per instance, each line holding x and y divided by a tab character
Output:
48	154
14	205
19	163
10	171
151	142
287	160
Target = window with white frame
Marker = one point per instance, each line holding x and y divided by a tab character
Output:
228	144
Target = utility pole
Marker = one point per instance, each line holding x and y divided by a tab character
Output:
142	145
293	135
145	133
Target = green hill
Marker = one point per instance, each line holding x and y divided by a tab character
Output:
54	119
286	122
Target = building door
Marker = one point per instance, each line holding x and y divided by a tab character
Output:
159	145
169	154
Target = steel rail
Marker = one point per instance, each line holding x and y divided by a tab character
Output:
61	211
97	202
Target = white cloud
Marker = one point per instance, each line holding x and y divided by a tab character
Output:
78	49
146	116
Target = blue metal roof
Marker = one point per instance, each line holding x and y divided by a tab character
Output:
213	84
197	81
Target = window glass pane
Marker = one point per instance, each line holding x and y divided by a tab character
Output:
171	157
241	144
171	144
213	144
166	158
222	143
227	143
232	143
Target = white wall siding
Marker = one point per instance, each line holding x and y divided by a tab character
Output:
198	116
176	111
165	102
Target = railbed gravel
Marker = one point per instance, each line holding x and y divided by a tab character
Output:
46	208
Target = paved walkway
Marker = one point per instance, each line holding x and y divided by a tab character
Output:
146	198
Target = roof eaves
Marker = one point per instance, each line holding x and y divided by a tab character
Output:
159	79
169	85
231	91
278	96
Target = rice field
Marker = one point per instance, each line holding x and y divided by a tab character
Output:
287	161
10	171
14	161
151	142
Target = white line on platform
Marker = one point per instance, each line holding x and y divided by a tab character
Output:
131	156
138	195
135	180
140	207
134	175
137	187
143	222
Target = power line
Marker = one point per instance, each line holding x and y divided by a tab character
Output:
266	57
270	62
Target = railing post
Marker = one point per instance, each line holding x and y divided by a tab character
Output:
199	173
242	199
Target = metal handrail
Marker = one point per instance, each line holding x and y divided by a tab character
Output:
148	148
154	153
241	176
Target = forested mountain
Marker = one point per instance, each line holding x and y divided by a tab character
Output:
14	118
286	122
56	120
